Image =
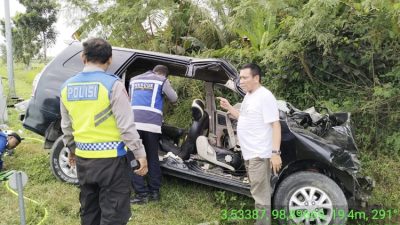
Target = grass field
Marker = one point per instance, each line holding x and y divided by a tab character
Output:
182	202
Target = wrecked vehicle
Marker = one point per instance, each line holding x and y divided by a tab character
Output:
320	166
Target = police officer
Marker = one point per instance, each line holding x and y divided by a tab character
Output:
147	91
97	129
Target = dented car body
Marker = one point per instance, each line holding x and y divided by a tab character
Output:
329	139
319	155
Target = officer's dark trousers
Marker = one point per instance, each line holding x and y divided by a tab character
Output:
105	191
151	145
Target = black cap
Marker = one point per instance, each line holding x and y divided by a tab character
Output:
13	134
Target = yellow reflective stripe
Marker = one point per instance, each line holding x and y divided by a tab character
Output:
96	154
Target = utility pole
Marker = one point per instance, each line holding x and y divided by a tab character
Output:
3	104
10	65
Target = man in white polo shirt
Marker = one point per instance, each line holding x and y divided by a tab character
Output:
259	133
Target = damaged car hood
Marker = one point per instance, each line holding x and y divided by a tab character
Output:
328	136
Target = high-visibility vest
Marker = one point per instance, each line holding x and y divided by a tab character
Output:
147	101
86	96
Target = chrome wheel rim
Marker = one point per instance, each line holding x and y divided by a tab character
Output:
310	205
64	164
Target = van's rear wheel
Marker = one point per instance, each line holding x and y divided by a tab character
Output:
310	198
59	163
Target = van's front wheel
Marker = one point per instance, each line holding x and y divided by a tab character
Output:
310	198
59	163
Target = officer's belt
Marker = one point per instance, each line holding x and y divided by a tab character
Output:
97	146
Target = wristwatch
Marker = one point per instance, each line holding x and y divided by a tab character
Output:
276	152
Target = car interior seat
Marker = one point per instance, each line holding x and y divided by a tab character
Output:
200	126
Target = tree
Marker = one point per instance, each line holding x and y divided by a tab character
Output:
25	40
174	26
40	17
34	29
26	43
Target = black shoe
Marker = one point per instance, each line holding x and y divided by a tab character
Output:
140	199
154	196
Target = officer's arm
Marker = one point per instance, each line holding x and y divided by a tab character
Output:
3	143
121	109
66	127
169	92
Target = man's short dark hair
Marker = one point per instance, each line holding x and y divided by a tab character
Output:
97	50
161	69
13	134
254	68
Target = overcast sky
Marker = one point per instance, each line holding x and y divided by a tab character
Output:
63	29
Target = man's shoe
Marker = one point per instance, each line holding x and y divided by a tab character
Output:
154	196
140	199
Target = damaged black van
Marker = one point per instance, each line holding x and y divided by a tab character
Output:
320	168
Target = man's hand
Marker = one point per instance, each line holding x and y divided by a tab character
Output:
71	159
276	163
224	103
143	167
228	107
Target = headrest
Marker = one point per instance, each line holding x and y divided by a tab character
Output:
197	109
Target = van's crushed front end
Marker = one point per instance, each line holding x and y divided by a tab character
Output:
329	137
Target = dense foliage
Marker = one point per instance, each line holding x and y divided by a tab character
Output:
343	55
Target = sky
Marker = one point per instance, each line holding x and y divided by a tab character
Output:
63	29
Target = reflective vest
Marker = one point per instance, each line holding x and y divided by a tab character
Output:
86	96
147	101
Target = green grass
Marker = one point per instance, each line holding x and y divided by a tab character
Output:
385	170
22	78
182	202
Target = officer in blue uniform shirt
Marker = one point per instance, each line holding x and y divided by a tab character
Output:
147	91
8	141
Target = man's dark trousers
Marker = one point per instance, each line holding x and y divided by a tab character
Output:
151	145
105	191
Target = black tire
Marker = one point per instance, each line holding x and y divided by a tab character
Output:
297	187
58	159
